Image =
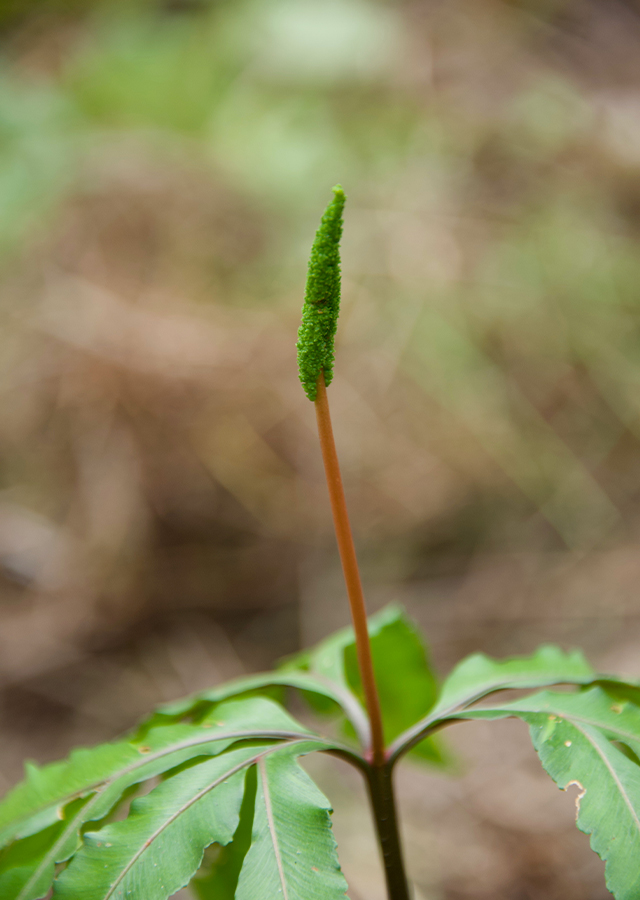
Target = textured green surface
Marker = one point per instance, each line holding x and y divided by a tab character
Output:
218	878
157	849
479	675
321	300
300	680
293	853
99	777
572	734
34	803
232	783
27	865
407	685
334	691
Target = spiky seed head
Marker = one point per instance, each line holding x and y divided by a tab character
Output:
321	299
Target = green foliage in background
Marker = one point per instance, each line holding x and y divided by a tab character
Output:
497	252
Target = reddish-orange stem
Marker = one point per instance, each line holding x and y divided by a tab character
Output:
350	570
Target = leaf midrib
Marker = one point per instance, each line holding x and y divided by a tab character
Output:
79	818
149	842
421	729
272	827
63	799
613	774
328	687
438	713
572	718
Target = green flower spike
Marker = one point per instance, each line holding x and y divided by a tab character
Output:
321	300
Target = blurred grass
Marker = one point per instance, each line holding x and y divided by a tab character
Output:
163	521
161	170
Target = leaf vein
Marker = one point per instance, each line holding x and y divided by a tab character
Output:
80	817
612	772
272	826
185	806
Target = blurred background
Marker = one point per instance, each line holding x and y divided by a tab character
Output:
163	518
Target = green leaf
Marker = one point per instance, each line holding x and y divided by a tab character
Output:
293	853
156	850
595	708
220	878
573	734
321	300
479	675
101	775
36	802
406	683
336	691
619	688
20	858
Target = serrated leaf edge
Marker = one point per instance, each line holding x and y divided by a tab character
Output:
258	758
612	771
75	823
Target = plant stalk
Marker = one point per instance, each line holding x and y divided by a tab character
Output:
351	571
379	775
380	785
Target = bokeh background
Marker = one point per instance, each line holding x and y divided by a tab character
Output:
163	518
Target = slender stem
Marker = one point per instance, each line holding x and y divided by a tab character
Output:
380	784
379	775
350	570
